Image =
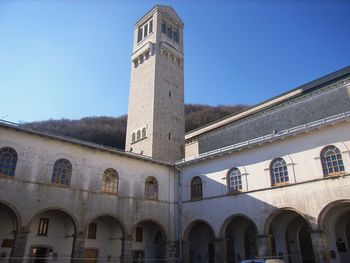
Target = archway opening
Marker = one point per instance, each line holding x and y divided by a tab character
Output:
51	236
240	237
335	221
104	239
149	242
8	228
291	237
201	243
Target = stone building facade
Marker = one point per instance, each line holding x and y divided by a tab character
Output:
270	181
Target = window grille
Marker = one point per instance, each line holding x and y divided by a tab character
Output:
234	180
8	161
332	161
196	188
279	172
62	171
151	188
110	181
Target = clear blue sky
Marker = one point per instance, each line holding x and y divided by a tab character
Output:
71	59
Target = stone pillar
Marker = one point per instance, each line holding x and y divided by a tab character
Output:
220	250
263	245
127	249
78	247
172	254
185	251
319	246
19	246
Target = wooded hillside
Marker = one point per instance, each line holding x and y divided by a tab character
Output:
111	131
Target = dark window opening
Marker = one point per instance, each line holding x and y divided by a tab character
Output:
92	231
163	27
139	35
145	30
169	31
139	233
176	34
151	26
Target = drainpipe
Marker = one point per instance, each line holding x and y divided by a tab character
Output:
179	220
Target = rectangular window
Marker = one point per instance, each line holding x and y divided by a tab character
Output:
163	27
169	31
92	231
176	35
138	237
139	35
145	30
7	243
151	26
43	226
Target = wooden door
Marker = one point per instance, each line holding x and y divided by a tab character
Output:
90	255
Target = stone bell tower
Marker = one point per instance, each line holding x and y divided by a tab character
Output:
156	121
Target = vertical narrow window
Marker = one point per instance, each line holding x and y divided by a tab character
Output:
332	161
133	137
143	132
196	188
234	180
163	27
138	234
110	181
62	171
279	172
43	226
8	161
169	94
151	188
169	136
138	137
145	30
150	26
92	230
169	31
176	35
139	35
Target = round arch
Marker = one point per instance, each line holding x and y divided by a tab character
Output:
190	226
57	209
113	216
323	213
232	217
154	221
279	211
14	212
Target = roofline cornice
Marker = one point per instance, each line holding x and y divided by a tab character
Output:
50	135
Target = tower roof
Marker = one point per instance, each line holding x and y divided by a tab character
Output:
163	8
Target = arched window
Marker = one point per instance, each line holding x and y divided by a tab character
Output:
110	181
332	161
138	135
8	161
62	171
133	137
151	188
196	188
143	132
234	180
279	172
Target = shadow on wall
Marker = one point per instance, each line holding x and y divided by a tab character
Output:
240	226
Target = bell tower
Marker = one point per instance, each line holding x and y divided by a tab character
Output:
156	121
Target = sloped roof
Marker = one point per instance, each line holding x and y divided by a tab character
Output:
301	90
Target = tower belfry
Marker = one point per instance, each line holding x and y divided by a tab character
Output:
156	121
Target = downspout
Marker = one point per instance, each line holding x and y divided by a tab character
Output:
179	220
